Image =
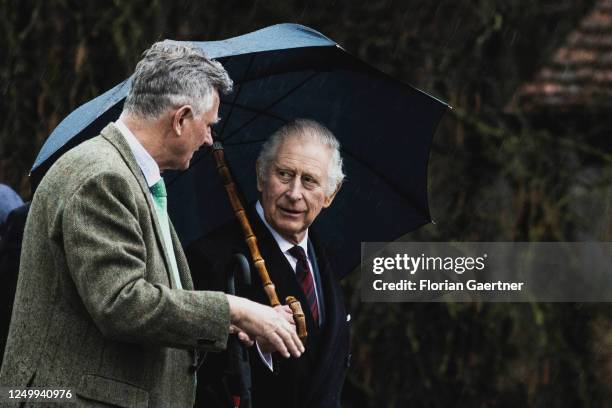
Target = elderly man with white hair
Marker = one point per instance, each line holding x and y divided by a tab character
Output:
299	172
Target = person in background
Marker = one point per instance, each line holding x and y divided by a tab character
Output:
12	220
9	200
11	234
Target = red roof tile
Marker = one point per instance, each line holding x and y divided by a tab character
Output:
579	73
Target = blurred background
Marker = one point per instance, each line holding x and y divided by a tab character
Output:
525	155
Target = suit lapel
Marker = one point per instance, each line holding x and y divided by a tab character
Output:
114	136
335	320
278	267
319	281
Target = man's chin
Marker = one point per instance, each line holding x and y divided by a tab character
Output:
291	231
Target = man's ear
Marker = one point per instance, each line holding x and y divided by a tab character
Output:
330	198
178	119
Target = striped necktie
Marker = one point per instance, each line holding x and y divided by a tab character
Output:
304	277
158	191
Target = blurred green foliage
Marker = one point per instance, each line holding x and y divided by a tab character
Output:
494	175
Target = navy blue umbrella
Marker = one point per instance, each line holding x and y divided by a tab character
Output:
280	73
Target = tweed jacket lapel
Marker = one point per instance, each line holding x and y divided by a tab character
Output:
114	136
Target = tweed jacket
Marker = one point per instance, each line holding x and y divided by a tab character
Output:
94	309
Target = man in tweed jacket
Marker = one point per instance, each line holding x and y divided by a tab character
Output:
105	304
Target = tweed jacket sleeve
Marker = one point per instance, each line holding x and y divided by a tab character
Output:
113	273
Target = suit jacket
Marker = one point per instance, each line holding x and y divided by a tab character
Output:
313	380
94	309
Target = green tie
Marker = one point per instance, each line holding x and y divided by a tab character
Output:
158	191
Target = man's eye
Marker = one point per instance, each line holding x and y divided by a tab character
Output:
284	175
309	182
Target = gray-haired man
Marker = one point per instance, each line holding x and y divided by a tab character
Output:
104	303
299	172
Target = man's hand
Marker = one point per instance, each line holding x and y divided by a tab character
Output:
269	326
285	312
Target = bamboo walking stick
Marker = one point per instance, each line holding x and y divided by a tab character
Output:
251	241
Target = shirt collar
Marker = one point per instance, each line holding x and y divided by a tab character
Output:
145	161
283	244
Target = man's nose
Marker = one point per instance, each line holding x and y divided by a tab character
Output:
294	192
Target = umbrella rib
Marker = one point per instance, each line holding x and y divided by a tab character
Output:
250	109
229	115
258	114
253	141
265	110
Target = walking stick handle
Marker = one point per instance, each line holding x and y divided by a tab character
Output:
298	317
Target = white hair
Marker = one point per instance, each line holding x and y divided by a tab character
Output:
303	128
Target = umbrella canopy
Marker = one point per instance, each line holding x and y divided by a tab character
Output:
280	73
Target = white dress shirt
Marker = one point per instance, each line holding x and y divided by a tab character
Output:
145	161
285	246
